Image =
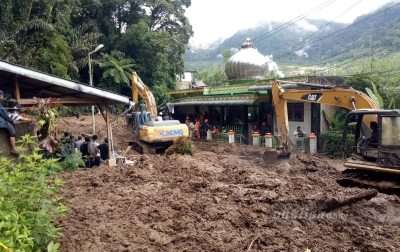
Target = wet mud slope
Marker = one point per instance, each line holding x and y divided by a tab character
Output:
224	199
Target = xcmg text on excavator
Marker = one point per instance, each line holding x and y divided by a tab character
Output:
150	134
383	156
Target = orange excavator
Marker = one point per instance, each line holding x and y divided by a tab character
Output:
383	156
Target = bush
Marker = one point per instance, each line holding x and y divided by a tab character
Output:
182	145
71	162
28	206
332	144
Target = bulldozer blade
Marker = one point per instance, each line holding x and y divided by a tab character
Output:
272	157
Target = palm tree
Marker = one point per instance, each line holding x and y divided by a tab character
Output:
121	69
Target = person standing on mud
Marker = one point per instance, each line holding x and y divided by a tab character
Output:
191	129
103	148
206	128
79	143
94	155
7	123
264	129
298	132
197	129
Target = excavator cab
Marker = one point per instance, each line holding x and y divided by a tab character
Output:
382	154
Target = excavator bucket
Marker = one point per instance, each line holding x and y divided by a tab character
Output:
272	157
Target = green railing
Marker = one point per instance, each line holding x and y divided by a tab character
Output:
235	127
224	137
297	143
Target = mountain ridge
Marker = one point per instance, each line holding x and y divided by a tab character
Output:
299	44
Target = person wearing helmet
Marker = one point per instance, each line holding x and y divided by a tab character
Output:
264	129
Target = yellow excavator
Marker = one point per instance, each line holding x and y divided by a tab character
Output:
149	134
383	156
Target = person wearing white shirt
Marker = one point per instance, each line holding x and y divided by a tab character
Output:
298	132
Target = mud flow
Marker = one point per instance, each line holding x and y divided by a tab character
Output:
222	199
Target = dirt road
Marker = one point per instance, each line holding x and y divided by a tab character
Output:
223	199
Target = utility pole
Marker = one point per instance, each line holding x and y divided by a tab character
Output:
372	50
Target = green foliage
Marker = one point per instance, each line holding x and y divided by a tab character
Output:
55	36
375	95
217	76
71	162
121	69
332	142
336	123
47	112
28	206
182	146
378	98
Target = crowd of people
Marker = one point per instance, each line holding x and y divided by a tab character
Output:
92	152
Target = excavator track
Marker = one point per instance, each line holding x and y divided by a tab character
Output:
148	148
383	182
142	147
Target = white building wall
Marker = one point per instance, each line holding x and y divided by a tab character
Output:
305	124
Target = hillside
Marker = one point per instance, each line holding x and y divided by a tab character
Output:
320	42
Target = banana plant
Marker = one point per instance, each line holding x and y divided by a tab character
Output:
374	94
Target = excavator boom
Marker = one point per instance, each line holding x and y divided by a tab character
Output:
337	96
138	87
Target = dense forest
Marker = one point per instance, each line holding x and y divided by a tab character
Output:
328	42
56	37
151	37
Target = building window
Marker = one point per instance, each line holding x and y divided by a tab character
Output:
296	112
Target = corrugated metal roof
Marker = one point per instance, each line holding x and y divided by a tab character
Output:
33	83
216	102
269	87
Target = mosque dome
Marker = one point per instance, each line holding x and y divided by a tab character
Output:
246	64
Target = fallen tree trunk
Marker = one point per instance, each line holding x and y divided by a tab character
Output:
334	204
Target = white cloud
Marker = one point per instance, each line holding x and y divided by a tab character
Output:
214	20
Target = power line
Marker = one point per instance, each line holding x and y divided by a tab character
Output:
302	16
358	58
284	54
324	26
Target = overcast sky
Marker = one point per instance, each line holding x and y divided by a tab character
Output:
213	19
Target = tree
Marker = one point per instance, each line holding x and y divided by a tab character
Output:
226	55
55	36
120	69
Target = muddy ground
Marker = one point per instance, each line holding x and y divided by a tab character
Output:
222	199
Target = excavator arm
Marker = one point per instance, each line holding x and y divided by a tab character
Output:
342	97
138	87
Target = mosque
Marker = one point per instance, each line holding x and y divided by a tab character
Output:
246	100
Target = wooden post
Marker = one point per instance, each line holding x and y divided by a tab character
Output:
111	160
101	111
17	94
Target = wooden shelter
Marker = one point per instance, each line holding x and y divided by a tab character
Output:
23	84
